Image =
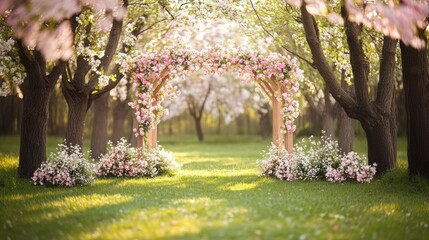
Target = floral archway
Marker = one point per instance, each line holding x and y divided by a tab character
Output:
277	75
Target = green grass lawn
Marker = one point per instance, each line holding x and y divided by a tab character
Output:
217	195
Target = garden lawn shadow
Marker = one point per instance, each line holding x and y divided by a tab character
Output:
217	198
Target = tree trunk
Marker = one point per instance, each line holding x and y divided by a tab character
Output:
375	115
328	115
239	120
99	135
219	125
170	128
78	106
120	113
7	114
264	124
346	128
199	129
416	88
133	139
32	151
328	124
346	131
381	148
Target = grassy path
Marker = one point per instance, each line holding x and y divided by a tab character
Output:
217	195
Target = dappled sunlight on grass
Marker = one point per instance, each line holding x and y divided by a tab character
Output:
183	216
387	209
70	205
218	194
240	186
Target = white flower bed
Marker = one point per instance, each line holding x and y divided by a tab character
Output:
122	160
66	167
316	160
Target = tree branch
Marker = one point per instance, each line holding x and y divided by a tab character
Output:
150	26
322	65
56	72
312	104
357	61
386	84
205	99
166	9
272	36
112	44
82	65
30	64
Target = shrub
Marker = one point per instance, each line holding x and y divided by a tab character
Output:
277	162
122	160
316	160
66	167
118	161
158	162
313	157
351	166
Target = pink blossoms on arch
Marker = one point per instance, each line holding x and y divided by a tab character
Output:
152	69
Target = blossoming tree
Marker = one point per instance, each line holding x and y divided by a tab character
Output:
42	34
407	21
278	76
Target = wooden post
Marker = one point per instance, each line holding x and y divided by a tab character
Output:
277	123
140	142
153	138
289	142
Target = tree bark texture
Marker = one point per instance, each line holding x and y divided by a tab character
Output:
325	110
346	128
99	136
198	128
416	87
78	107
37	89
121	112
57	114
32	151
264	121
11	114
346	132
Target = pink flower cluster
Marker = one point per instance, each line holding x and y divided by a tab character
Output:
119	161
351	168
123	161
285	170
151	68
48	174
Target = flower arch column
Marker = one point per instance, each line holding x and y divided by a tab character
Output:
152	134
274	92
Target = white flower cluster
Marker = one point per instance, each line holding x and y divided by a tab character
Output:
12	73
124	161
94	51
129	39
316	157
313	160
66	167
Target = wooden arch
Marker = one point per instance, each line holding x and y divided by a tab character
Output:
270	88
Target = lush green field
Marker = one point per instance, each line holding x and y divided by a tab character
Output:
217	195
